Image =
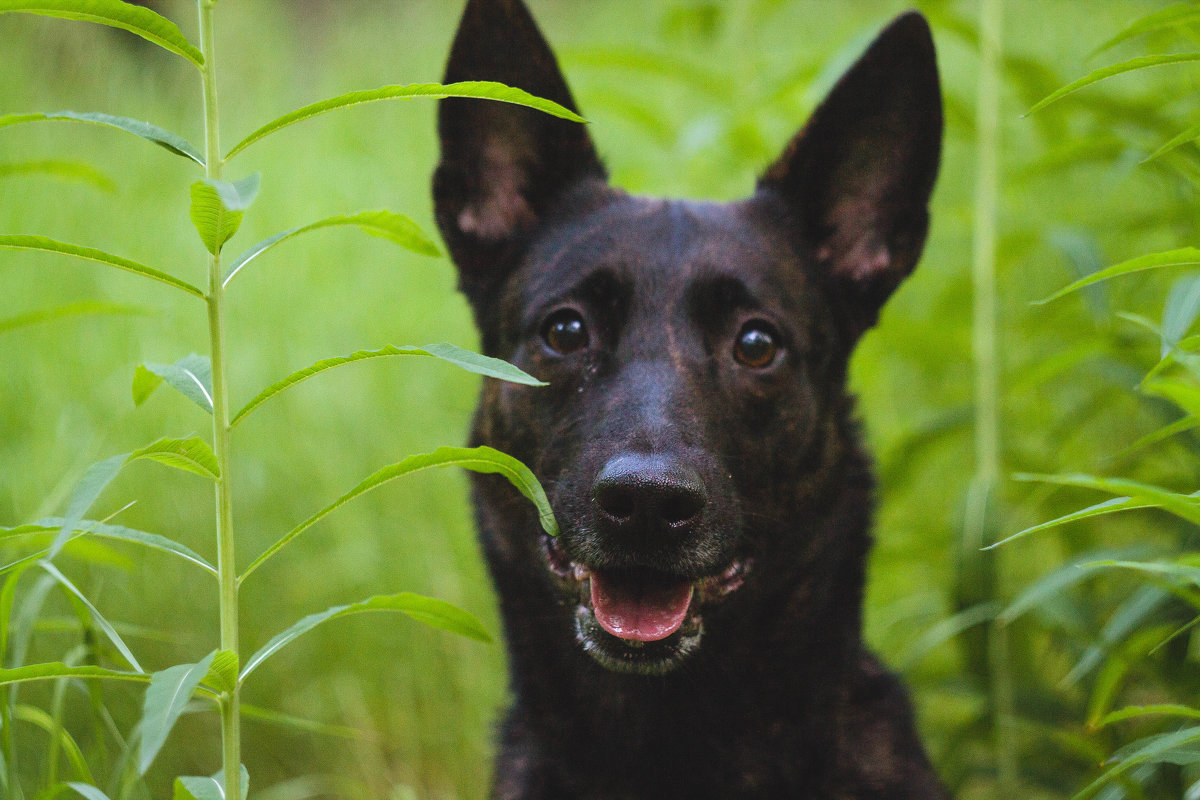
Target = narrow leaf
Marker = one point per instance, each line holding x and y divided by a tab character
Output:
1057	581
26	242
114	532
88	791
478	459
1142	62
166	696
472	362
486	90
1179	312
1190	134
437	613
159	136
1180	572
1150	749
1111	506
191	455
1172	17
93	482
190	375
82	308
386	224
272	717
1181	505
218	208
103	624
1131	712
210	788
135	19
55	670
59	168
1183	257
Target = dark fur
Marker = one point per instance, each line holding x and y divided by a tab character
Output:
779	698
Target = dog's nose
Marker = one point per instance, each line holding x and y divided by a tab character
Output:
649	491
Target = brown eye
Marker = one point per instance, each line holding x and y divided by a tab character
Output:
756	345
565	332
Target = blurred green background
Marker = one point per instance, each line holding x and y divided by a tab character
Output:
685	97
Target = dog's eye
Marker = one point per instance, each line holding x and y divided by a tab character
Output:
565	332
756	345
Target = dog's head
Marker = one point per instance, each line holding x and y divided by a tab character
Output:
695	352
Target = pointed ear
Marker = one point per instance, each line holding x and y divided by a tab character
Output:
503	165
857	179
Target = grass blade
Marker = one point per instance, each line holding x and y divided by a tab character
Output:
103	624
56	669
159	136
191	376
1188	135
166	697
115	532
1130	712
472	362
1182	257
1183	506
88	791
59	168
272	717
1057	581
218	208
1142	62
478	459
136	19
1172	17
26	242
1180	572
389	225
80	309
437	613
485	90
1150	749
1107	507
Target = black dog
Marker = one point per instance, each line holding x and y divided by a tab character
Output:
695	630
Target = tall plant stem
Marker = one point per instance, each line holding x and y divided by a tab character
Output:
983	494
226	564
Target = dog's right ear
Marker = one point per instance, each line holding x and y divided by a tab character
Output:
503	165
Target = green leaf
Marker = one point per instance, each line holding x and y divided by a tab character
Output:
1152	749
1184	256
1058	580
70	170
477	459
1191	134
218	208
223	671
386	224
272	717
1181	505
1172	17
166	696
472	362
56	669
159	136
103	624
88	791
60	736
190	375
485	90
25	242
1179	312
946	629
82	308
1181	572
1130	712
437	613
190	455
210	788
1142	62
1107	507
135	19
115	532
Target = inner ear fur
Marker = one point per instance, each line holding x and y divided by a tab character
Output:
856	179
503	166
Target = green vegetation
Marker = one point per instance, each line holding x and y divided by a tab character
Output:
1062	663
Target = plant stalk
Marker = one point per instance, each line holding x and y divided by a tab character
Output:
226	563
982	498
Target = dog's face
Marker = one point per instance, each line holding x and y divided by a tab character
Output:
695	352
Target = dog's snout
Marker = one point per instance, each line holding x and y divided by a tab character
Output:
649	491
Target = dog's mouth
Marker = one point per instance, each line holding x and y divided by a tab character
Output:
638	619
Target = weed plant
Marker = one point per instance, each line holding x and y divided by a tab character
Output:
217	209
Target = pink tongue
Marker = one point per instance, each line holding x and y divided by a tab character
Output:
630	610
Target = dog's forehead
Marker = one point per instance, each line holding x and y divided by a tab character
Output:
662	247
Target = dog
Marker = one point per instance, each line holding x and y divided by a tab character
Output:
695	629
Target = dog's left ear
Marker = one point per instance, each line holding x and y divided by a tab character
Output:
857	178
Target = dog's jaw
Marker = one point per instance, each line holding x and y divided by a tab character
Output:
671	629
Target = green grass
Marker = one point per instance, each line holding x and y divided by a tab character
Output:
683	102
